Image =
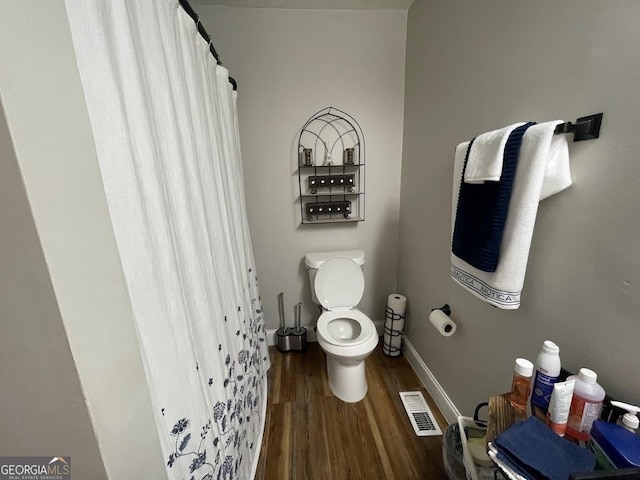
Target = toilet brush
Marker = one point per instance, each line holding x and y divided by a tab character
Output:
283	334
299	333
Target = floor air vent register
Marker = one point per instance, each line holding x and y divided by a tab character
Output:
420	415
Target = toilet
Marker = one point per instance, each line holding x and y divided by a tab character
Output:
346	335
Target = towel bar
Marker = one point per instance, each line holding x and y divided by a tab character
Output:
585	128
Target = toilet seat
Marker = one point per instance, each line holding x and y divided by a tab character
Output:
366	327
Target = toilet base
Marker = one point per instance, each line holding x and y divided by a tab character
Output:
347	380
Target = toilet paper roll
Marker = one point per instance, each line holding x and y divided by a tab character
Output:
394	324
443	323
397	303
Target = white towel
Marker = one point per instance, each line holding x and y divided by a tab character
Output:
543	170
486	155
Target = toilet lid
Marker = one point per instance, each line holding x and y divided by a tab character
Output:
339	284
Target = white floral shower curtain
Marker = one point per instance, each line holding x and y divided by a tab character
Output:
165	127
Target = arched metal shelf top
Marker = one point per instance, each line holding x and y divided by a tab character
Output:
331	117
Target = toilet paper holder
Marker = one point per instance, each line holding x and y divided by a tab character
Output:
394	318
440	318
446	309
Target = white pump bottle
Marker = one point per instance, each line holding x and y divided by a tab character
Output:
630	419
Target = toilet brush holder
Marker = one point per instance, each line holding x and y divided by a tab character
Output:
283	334
298	338
284	339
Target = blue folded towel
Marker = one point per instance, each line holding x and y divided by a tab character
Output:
482	210
532	449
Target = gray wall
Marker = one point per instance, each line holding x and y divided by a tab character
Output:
289	64
43	408
54	150
476	66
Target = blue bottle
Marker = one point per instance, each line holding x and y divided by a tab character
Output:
547	374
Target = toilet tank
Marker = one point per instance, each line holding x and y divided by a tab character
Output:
314	260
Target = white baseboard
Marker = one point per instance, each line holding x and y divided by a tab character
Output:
311	333
271	335
444	403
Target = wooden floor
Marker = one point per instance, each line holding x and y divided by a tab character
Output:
310	434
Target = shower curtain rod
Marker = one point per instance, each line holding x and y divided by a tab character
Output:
203	33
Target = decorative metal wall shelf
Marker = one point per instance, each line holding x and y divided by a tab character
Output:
331	158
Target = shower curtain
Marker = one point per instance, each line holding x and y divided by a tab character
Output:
164	121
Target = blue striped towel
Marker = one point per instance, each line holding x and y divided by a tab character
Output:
482	210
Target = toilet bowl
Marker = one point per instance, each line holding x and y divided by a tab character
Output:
346	334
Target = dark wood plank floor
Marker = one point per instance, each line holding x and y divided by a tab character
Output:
310	434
